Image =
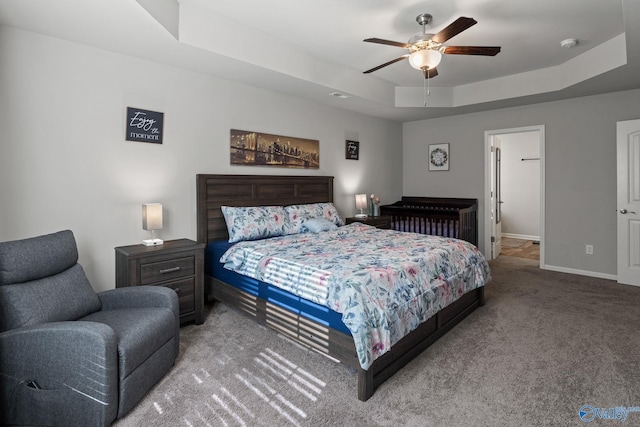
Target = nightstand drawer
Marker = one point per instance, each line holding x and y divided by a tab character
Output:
185	290
166	270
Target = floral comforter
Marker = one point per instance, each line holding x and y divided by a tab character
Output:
384	283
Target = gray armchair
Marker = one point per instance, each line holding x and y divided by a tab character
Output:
70	356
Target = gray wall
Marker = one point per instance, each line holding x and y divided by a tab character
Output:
580	175
64	162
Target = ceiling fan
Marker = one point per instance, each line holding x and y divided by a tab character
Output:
425	50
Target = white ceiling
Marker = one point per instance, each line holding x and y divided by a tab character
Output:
311	49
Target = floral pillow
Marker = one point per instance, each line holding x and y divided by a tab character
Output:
255	222
297	214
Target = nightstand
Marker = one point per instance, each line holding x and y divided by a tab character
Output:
376	221
177	264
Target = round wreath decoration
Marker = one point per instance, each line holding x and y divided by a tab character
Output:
439	157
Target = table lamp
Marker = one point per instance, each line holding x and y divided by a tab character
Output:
361	203
152	220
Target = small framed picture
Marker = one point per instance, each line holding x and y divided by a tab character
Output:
144	125
439	157
352	150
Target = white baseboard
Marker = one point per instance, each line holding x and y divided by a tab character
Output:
521	236
581	272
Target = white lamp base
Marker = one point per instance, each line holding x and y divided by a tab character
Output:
152	242
361	215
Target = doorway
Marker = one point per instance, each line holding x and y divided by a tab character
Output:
495	187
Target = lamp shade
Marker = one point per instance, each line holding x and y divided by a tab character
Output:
425	59
152	216
361	205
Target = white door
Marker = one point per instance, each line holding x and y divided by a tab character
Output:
496	199
628	211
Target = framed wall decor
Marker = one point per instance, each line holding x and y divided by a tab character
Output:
352	151
439	157
251	148
144	125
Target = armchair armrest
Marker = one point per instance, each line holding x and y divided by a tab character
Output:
139	297
143	296
74	370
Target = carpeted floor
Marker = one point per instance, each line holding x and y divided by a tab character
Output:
544	345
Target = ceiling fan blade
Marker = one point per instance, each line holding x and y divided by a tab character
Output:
431	73
388	42
472	50
455	28
393	61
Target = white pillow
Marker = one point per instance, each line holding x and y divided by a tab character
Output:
316	225
297	214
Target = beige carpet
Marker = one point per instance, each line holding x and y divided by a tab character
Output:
544	345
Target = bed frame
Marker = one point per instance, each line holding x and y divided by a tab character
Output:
214	191
440	216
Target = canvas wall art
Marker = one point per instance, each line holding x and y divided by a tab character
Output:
251	148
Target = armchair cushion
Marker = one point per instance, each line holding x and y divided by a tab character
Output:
37	257
64	296
40	281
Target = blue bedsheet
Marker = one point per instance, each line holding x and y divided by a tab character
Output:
294	303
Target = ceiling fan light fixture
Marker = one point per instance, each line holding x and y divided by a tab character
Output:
425	59
426	50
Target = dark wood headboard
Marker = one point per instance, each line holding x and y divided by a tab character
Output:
214	191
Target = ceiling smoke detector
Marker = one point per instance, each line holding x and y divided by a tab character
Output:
569	43
340	95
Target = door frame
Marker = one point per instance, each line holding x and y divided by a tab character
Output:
488	139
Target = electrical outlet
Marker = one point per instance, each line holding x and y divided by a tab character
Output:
589	249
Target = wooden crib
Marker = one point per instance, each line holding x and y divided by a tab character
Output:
440	216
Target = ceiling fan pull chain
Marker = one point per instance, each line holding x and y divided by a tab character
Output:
424	90
426	86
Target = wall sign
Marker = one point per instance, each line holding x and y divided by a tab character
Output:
352	150
144	125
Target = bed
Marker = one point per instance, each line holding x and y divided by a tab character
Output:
438	216
300	319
